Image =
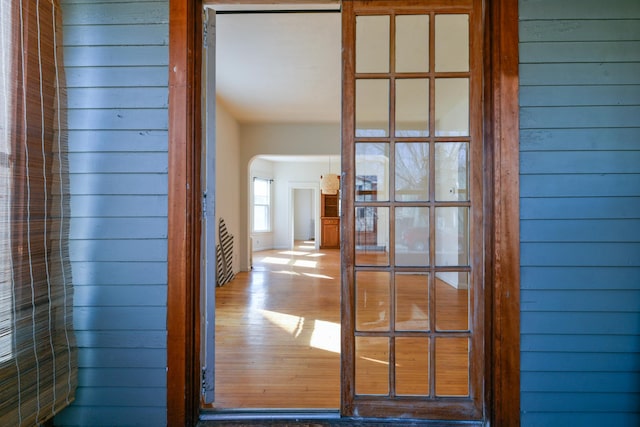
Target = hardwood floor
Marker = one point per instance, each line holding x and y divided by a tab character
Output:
278	334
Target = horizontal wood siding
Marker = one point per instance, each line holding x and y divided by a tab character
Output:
116	59
580	212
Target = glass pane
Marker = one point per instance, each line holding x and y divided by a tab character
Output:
412	107
452	171
260	191
452	107
373	300
412	43
412	301
372	44
452	301
372	171
412	171
372	365
452	236
412	236
372	235
452	43
412	366
372	107
452	366
261	220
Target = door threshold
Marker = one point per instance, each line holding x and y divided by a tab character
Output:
269	414
215	414
313	418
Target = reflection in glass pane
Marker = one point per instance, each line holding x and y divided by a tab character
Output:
412	366
452	236
372	107
452	366
372	235
412	171
412	236
412	107
452	43
372	171
372	365
412	43
452	107
373	296
372	44
412	301
452	301
452	171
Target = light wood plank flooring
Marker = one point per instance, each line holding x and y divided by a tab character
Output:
278	332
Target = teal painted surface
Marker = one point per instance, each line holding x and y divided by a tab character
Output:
580	212
116	56
580	200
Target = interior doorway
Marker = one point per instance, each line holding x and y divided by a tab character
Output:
184	308
304	215
276	336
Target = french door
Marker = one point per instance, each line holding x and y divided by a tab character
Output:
502	244
412	309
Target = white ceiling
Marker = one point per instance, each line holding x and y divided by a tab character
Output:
279	67
335	160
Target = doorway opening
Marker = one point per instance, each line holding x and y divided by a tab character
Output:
304	218
185	308
277	115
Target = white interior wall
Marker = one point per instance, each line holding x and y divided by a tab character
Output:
280	139
288	177
303	214
227	176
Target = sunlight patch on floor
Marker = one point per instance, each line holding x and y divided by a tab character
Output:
288	322
305	263
318	276
294	253
274	260
289	272
326	336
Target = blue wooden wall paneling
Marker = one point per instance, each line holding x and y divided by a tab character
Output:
118	273
580	57
580	212
116	59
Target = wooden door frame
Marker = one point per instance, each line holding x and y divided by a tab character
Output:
501	131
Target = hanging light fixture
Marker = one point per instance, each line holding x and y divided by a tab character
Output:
330	182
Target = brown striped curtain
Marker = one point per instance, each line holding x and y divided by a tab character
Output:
38	356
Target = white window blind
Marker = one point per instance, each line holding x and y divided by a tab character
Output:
38	356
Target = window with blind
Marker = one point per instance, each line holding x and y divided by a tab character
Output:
38	360
261	205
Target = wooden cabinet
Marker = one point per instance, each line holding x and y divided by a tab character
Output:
330	233
330	222
329	206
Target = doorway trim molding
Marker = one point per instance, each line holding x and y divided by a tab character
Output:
502	210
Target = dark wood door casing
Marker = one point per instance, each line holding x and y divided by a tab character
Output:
501	211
